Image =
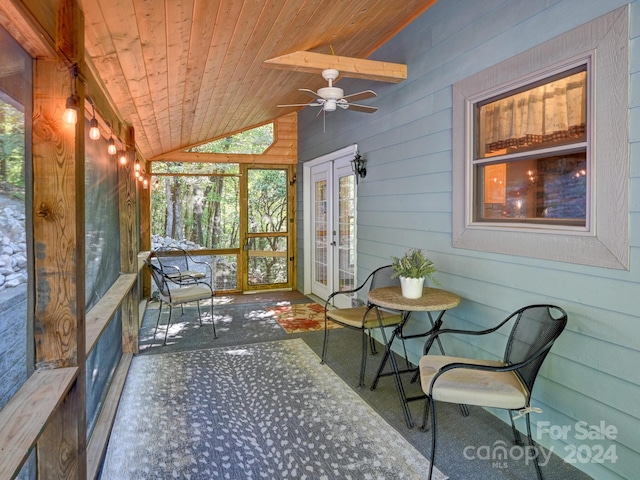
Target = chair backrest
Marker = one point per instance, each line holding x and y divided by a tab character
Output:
159	279
173	257
535	327
381	277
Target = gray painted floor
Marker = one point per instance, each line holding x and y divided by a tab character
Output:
240	324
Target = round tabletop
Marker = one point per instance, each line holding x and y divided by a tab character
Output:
432	299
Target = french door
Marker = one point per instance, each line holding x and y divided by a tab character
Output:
332	199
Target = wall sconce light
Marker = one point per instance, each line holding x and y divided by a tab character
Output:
123	157
358	166
70	116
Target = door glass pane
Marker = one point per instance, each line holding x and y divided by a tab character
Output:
320	228
346	229
267	260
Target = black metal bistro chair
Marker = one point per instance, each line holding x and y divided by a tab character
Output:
363	318
178	292
505	384
180	266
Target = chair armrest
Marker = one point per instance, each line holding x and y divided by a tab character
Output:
353	290
174	267
432	337
197	262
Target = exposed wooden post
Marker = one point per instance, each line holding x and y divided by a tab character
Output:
145	228
129	229
59	249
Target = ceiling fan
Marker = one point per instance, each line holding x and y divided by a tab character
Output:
330	98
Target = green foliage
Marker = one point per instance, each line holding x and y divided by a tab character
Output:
205	209
12	140
414	264
256	141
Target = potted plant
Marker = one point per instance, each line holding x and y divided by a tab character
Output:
412	268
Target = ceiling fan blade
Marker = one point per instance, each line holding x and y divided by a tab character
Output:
360	95
362	108
310	92
312	104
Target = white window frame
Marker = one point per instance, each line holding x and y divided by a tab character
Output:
605	242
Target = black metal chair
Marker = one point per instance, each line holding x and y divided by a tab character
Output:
505	384
180	266
363	318
178	292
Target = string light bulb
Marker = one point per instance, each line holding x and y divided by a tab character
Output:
145	183
94	128
123	157
137	167
111	148
70	116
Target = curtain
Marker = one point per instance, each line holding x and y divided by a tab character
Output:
542	115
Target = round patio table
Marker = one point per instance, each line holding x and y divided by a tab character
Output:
432	300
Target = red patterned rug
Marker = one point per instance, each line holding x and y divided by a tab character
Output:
301	317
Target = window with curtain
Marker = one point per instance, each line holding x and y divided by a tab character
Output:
541	151
531	153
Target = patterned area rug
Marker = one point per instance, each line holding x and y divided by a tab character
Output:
266	410
301	317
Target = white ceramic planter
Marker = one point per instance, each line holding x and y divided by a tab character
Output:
412	287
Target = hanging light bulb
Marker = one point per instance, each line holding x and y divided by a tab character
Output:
111	148
70	116
137	166
94	128
145	183
123	157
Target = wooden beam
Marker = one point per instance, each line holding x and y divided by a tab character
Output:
59	243
25	26
230	158
102	312
312	62
32	406
97	446
129	245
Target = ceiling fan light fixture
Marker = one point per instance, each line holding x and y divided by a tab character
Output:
330	105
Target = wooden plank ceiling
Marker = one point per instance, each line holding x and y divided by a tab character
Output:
184	72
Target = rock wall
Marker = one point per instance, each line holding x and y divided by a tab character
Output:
13	248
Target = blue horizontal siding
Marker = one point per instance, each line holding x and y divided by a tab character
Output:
406	201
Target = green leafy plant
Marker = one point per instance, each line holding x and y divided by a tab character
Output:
414	264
